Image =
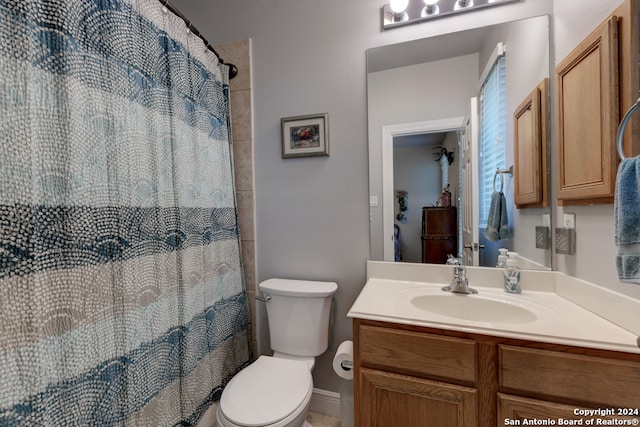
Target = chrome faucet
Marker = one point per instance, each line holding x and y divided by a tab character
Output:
460	283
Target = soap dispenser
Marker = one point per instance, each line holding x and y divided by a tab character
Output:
512	275
502	258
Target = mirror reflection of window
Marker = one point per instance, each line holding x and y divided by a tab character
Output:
492	146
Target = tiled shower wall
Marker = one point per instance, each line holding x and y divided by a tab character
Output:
239	53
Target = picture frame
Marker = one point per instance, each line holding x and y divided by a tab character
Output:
305	136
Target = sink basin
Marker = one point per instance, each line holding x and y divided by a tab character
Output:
474	308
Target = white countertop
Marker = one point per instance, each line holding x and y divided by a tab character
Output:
557	319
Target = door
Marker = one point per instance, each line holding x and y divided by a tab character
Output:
469	181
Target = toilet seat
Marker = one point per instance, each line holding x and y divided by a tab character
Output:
266	392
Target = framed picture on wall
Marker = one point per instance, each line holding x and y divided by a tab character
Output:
305	136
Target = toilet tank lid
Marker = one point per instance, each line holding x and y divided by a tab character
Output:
298	288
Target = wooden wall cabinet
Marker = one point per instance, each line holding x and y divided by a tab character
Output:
414	376
595	85
531	149
629	83
587	112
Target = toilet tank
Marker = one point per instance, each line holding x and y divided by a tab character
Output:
298	313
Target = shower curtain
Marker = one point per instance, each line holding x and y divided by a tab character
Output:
122	299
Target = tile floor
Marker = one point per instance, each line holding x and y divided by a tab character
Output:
321	420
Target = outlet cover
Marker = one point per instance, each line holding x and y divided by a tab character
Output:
569	221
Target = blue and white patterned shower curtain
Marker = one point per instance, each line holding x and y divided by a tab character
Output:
121	290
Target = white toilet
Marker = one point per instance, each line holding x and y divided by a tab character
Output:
275	391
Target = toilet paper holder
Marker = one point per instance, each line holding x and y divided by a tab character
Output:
343	360
347	365
266	298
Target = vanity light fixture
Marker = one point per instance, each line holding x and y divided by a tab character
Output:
405	12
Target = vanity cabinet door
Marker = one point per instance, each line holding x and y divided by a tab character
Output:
388	399
587	118
519	408
513	410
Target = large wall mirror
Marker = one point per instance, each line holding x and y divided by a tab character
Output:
422	102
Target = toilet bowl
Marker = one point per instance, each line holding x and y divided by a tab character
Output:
275	391
271	392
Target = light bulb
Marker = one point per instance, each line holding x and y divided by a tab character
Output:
430	8
461	4
399	6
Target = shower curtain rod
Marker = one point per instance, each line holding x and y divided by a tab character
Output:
233	70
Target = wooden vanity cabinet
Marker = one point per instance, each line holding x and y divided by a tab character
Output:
414	376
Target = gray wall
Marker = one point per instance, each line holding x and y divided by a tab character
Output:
309	57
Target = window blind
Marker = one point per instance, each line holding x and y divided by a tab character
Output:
492	120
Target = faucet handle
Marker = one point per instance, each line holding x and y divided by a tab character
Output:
451	260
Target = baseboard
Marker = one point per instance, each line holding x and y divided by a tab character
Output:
322	401
325	402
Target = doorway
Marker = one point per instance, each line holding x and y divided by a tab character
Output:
423	166
389	133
